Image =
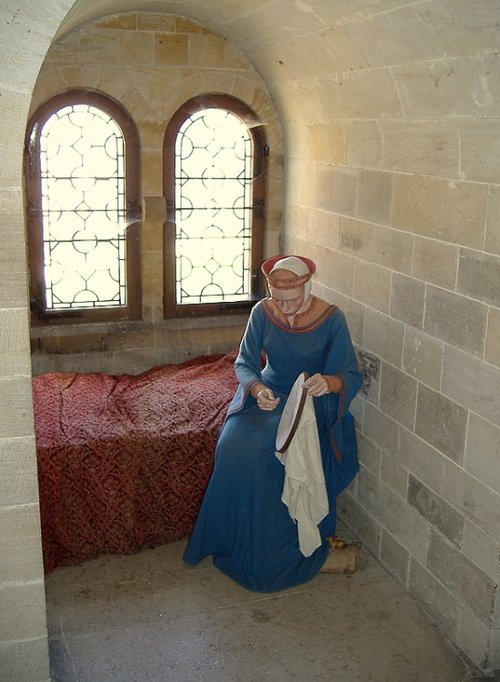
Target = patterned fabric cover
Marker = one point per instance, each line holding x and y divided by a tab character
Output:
123	461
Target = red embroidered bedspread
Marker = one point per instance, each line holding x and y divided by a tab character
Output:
123	461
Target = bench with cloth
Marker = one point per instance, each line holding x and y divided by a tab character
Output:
123	461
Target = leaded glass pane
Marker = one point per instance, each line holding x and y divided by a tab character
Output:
82	154
213	195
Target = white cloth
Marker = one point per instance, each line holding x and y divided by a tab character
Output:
298	267
292	264
304	489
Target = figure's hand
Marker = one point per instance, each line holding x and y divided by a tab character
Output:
316	386
266	399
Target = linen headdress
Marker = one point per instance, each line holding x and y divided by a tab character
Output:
303	267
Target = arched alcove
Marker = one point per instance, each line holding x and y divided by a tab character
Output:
390	112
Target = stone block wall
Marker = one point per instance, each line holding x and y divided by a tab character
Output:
152	64
399	143
24	652
390	115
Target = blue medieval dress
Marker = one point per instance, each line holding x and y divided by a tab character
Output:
243	523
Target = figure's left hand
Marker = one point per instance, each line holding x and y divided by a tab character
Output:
316	385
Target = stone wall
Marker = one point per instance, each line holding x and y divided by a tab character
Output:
399	144
152	64
23	622
391	116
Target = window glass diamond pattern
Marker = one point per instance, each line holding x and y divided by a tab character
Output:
82	153
213	204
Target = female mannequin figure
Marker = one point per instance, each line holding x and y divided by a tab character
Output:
242	523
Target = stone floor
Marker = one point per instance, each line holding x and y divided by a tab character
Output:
149	617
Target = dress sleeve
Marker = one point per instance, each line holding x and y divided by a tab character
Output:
342	361
248	363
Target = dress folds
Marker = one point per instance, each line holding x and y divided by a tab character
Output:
243	523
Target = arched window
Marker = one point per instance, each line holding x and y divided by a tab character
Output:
215	157
82	184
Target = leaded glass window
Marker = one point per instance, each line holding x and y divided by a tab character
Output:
81	210
213	193
83	206
215	205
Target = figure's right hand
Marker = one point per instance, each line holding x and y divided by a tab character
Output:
266	399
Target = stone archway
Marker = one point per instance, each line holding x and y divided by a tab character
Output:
396	194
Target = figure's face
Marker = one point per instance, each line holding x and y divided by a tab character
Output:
289	306
289	301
